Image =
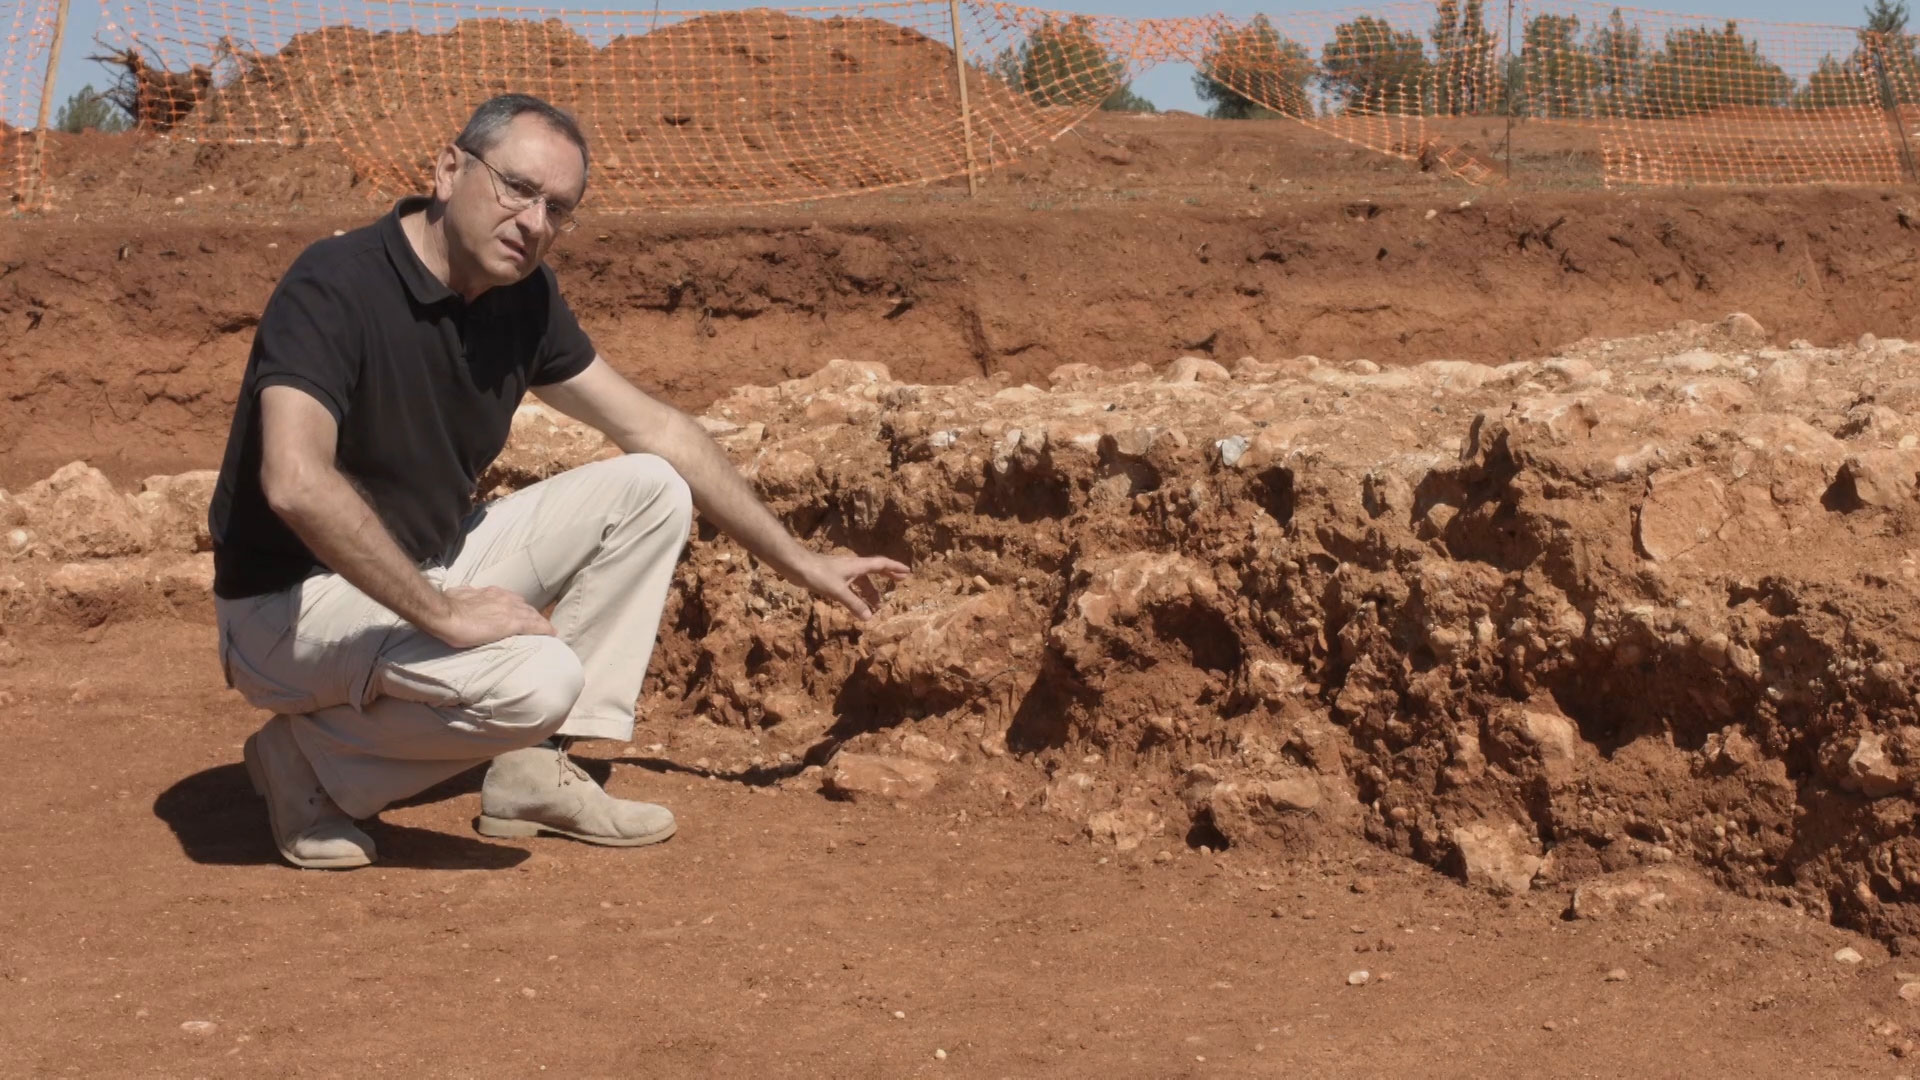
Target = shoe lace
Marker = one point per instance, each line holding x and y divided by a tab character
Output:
570	771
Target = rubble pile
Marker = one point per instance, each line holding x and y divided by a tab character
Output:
1646	602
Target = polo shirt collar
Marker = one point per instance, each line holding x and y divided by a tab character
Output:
426	288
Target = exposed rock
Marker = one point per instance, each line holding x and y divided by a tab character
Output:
1498	857
860	777
1744	329
1638	894
1870	771
1683	511
1308	580
1126	829
1189	369
921	748
1247	811
77	514
1786	377
1883	479
175	508
1554	739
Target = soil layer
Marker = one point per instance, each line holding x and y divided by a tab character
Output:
126	340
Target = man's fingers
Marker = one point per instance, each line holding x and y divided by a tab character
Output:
852	602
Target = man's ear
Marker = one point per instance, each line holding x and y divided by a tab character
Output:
445	168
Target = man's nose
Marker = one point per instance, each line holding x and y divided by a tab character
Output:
535	217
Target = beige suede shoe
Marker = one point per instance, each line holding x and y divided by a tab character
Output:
310	831
540	790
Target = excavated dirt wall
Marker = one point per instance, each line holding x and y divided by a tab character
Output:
1643	604
125	340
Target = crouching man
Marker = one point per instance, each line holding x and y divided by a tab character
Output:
393	627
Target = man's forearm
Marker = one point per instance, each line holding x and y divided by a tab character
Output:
721	493
343	532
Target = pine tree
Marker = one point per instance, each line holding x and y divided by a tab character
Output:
90	110
1699	70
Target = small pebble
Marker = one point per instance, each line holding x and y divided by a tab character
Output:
1163	857
1848	956
526	992
940	1055
1910	991
1358	978
1617	975
1550	1026
898	1015
199	1027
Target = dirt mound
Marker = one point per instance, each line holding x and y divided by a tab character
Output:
128	339
732	107
1530	623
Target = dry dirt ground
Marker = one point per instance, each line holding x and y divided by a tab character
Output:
781	934
1254	723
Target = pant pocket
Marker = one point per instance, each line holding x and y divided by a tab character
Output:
256	641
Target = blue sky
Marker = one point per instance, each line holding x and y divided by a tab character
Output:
1169	86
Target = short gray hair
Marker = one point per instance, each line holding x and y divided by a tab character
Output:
488	124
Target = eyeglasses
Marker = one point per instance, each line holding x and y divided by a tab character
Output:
516	195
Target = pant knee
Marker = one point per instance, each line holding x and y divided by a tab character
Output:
654	483
538	692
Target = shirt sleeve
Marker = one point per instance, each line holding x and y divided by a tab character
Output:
307	339
565	349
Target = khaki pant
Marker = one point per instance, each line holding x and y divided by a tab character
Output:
384	711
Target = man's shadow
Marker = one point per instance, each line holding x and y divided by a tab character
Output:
219	821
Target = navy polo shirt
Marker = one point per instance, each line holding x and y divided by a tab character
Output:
422	384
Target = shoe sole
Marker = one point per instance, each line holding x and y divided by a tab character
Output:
509	829
257	775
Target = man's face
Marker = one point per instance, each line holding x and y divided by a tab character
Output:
489	242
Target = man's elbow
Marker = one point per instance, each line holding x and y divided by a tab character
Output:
291	488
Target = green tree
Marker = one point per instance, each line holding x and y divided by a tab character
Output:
1252	71
1699	70
1125	100
1063	63
1466	74
1888	55
1887	17
1372	69
1561	75
1620	52
90	110
1835	83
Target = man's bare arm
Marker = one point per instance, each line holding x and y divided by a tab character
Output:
639	424
303	486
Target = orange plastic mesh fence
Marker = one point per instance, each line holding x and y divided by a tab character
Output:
1379	77
28	25
1685	99
781	105
681	108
